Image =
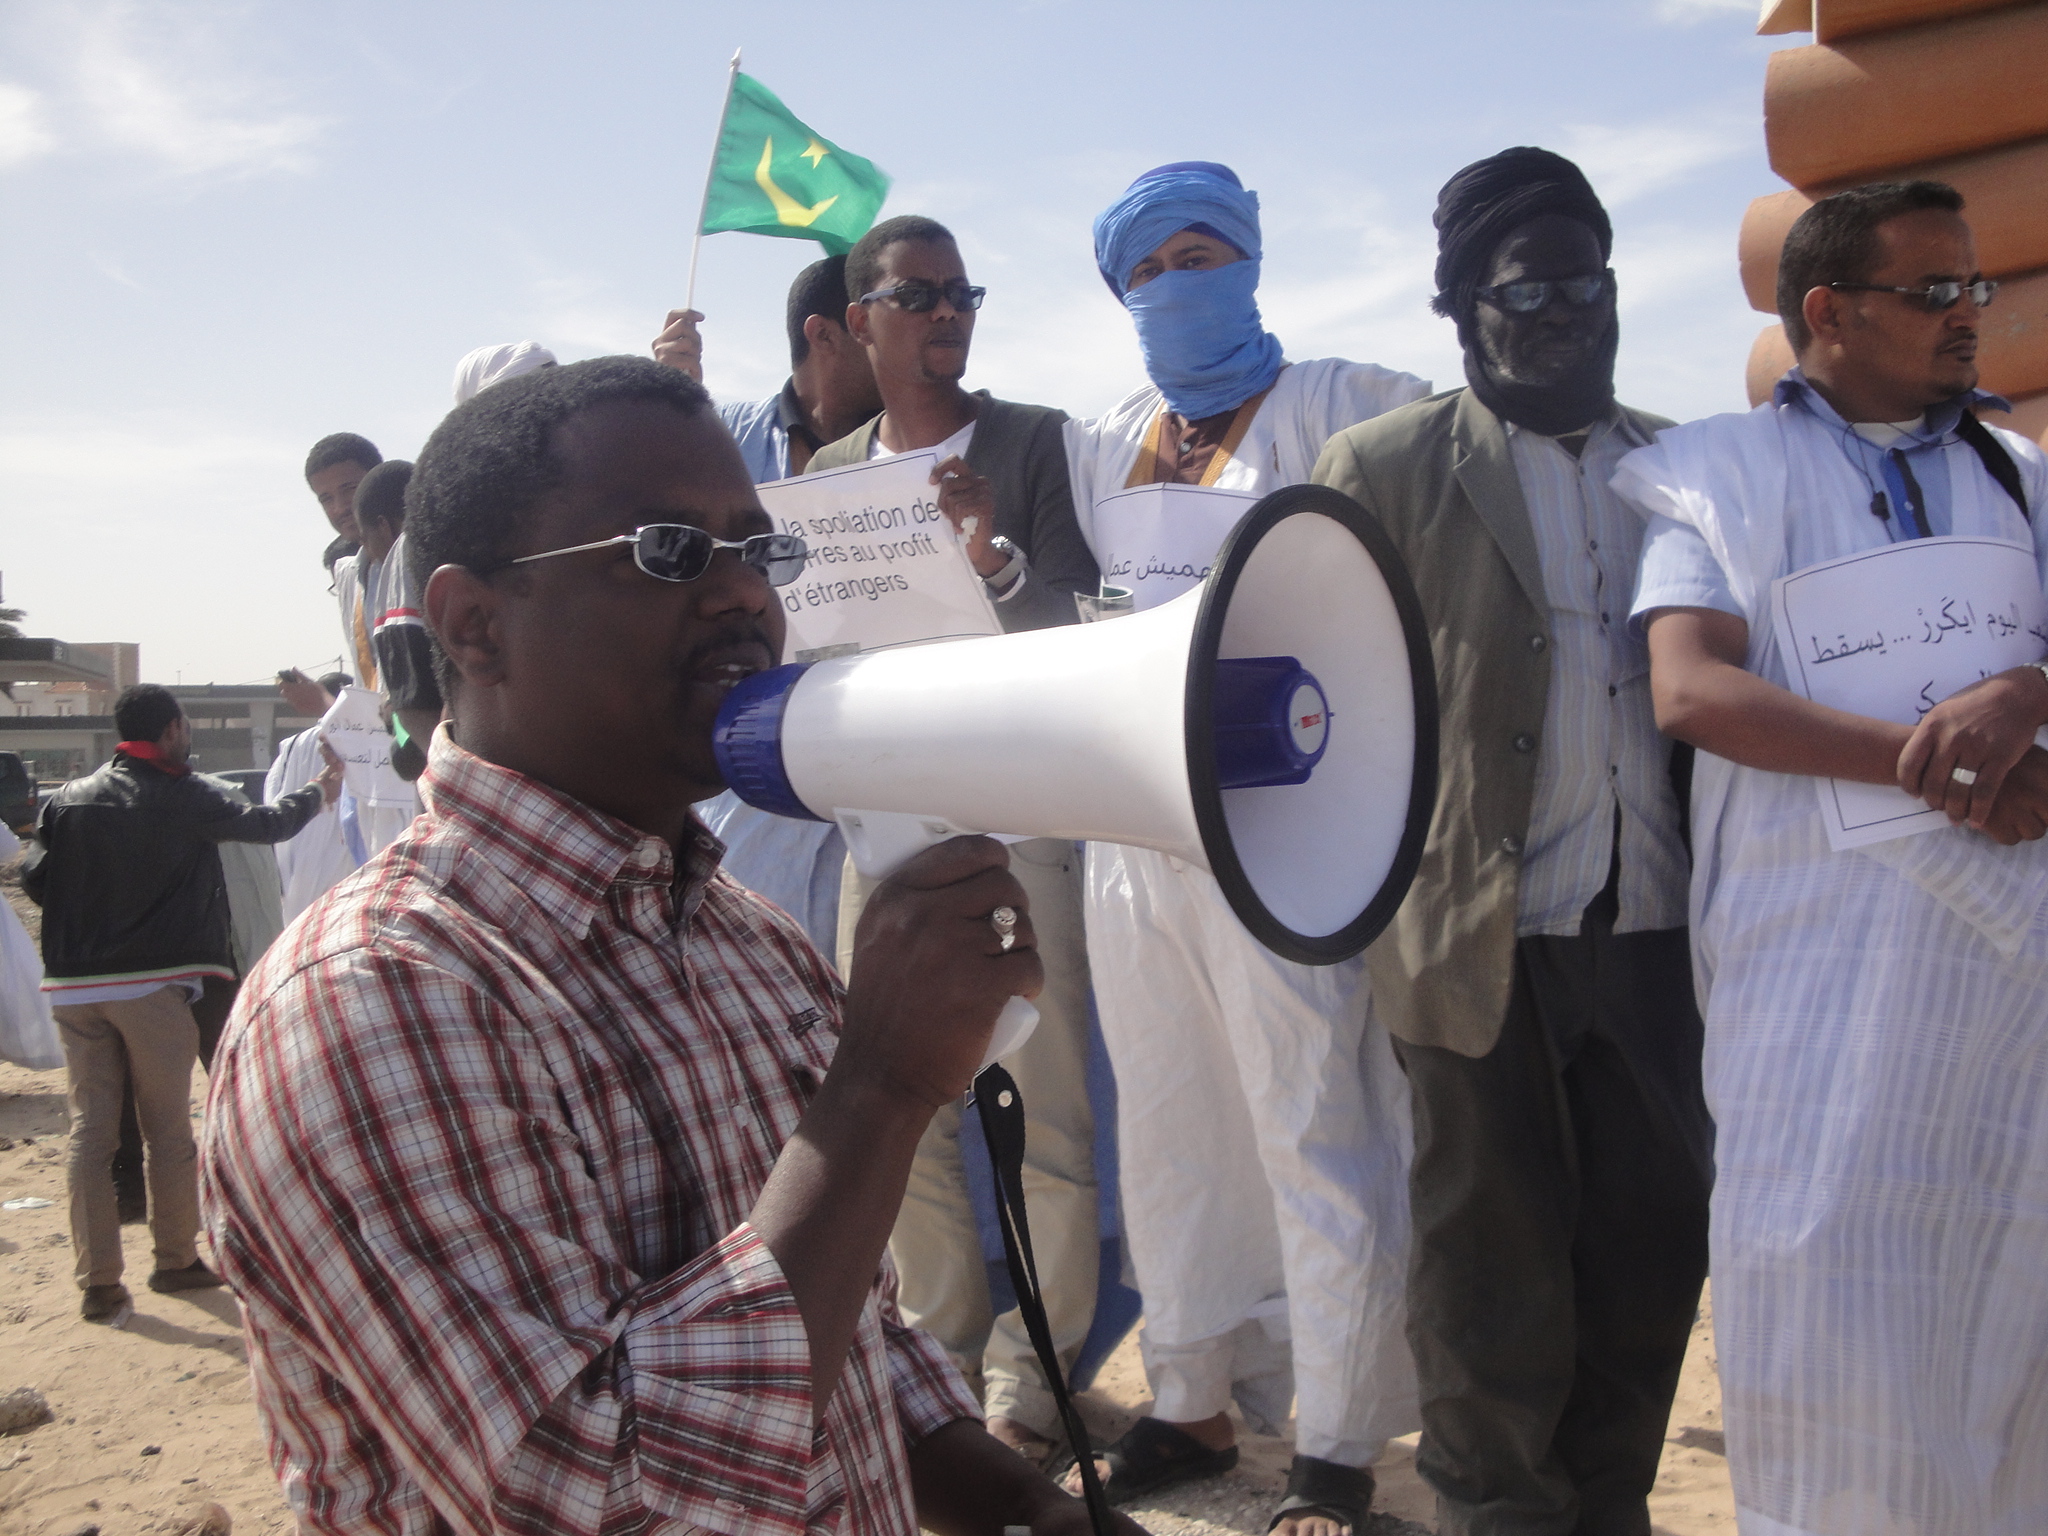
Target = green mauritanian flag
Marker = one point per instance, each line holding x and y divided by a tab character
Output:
774	176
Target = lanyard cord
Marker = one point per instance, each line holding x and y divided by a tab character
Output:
1002	1127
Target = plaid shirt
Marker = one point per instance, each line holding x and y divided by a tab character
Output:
482	1140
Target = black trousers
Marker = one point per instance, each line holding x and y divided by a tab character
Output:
1560	1195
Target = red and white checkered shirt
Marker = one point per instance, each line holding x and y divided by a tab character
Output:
482	1140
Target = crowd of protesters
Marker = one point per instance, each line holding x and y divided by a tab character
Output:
587	1152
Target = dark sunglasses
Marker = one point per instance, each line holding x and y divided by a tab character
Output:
1527	298
1935	297
679	552
918	297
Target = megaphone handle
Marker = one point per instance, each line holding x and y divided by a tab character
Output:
1013	1027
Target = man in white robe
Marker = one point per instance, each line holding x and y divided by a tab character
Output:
1877	1017
1262	1122
320	855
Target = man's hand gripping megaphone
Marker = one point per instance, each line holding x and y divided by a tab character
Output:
929	958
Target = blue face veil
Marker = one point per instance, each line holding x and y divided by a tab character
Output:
1204	344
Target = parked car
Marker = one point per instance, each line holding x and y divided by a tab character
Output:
18	797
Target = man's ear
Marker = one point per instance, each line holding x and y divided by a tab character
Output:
462	611
1822	310
857	323
823	335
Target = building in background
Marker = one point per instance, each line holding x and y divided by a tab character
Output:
61	714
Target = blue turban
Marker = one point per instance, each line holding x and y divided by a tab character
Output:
1204	344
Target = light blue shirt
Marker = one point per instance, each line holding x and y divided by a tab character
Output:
762	428
1680	571
795	864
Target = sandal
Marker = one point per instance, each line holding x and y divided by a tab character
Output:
1315	1486
1151	1455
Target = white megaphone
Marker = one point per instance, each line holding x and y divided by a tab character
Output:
1276	726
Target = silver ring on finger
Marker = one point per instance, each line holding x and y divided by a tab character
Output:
1004	921
1964	776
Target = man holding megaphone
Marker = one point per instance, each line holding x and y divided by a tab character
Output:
554	1170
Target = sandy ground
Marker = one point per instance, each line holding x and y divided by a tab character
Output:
154	1419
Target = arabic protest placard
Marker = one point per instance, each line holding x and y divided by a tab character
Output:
1160	540
885	566
354	727
1889	634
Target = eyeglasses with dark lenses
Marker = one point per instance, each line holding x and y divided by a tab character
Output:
919	297
680	552
1527	298
1935	297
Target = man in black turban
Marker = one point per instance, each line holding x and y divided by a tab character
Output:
1536	980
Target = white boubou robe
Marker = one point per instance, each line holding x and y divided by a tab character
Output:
1262	1121
1876	1063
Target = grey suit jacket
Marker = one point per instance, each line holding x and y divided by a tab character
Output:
1438	476
1019	448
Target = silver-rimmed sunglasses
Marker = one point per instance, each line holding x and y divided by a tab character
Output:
1935	297
680	552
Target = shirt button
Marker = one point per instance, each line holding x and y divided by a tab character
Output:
875	1467
1511	845
645	858
1611	690
1525	742
1538	644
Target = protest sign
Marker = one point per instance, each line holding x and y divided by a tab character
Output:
1889	634
1160	540
885	566
354	727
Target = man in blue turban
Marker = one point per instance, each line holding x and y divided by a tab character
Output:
1262	1120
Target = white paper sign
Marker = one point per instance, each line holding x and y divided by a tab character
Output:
1160	540
885	566
1889	634
354	727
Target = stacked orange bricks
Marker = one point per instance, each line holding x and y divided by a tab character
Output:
1955	90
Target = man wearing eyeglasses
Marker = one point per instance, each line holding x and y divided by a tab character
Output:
553	1170
1002	479
1536	979
1876	1017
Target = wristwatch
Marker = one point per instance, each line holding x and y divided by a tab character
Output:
1013	570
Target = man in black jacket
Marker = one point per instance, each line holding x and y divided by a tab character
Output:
135	918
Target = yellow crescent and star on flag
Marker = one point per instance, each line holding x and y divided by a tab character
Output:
774	175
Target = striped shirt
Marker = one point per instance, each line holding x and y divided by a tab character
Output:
483	1138
1600	752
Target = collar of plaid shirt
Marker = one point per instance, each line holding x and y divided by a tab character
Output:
481	1145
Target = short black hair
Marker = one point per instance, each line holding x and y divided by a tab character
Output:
342	448
476	481
145	711
864	261
820	289
1835	241
334	682
381	495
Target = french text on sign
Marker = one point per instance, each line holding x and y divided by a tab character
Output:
885	566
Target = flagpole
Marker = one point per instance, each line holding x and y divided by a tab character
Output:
704	207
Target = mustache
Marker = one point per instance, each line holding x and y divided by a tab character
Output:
732	638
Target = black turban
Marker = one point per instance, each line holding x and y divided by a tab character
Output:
1483	202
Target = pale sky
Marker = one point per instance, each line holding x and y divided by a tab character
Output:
231	228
